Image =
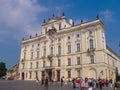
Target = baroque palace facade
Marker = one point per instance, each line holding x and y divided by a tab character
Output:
65	49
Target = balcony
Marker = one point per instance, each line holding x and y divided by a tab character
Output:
91	51
43	57
22	60
49	57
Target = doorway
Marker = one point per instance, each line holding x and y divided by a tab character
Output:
23	75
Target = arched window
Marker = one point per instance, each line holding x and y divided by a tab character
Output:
31	65
31	55
37	64
91	44
44	53
69	48
59	26
78	47
51	52
59	50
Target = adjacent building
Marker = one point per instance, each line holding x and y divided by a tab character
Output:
12	73
65	49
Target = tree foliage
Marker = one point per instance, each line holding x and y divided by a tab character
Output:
3	69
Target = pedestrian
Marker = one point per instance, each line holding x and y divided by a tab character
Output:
74	83
37	80
84	84
115	86
100	83
62	81
106	83
110	83
42	81
90	86
46	83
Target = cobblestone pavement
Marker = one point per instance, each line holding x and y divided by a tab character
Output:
32	85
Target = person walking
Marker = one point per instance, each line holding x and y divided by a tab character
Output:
42	81
62	81
46	83
37	80
90	86
110	81
115	86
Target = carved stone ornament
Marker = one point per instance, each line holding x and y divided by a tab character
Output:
52	33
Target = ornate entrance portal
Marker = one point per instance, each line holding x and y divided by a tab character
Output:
51	74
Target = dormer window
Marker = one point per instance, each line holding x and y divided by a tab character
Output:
59	39
64	26
59	26
77	35
44	42
68	37
32	46
51	41
45	29
90	32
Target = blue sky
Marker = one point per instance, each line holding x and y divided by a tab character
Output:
21	18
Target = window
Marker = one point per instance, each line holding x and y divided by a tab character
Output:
91	44
30	73
77	35
59	63
25	47
44	42
78	47
69	61
32	46
37	64
90	32
38	44
31	55
59	39
92	59
37	54
68	37
113	63
24	55
59	26
78	73
69	48
51	51
44	52
50	63
31	65
36	74
59	50
69	74
43	63
78	60
51	41
23	65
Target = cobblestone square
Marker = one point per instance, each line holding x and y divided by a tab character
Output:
32	85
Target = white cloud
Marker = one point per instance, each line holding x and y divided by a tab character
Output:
17	15
107	15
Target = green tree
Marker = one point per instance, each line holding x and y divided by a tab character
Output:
3	69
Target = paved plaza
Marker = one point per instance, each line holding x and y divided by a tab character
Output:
32	85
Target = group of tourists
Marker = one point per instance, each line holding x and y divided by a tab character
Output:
83	84
92	84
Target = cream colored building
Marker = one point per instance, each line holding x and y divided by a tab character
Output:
65	49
